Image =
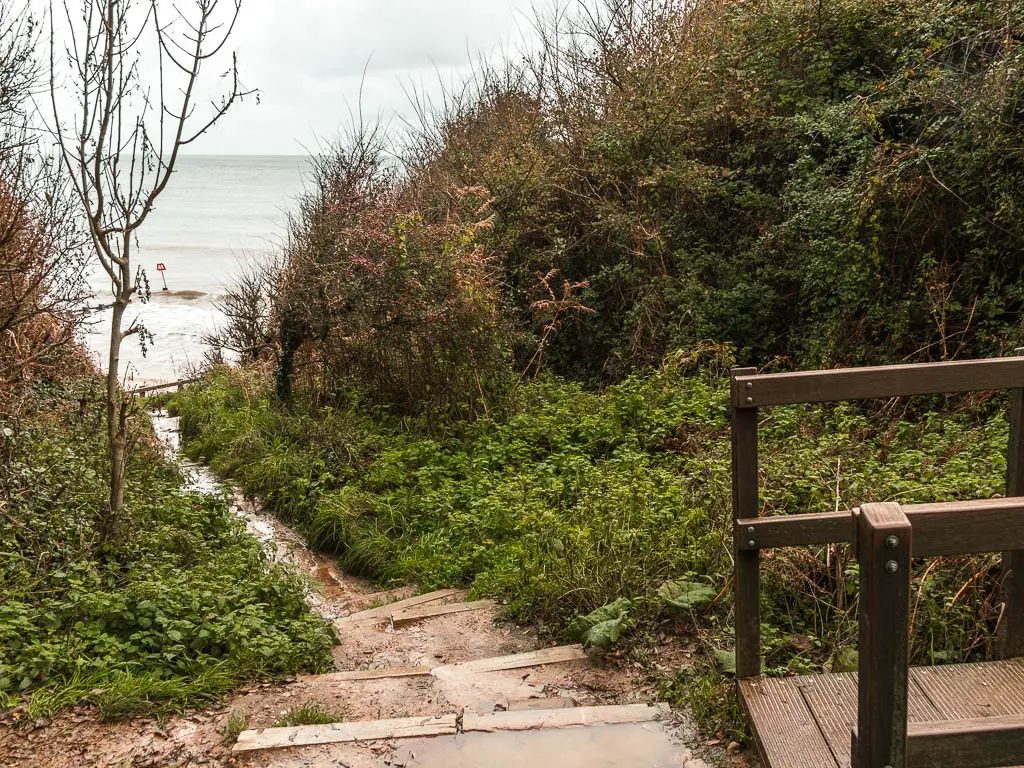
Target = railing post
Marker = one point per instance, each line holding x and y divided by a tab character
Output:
883	551
747	584
1011	637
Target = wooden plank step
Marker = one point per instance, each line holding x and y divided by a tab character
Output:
385	611
334	733
418	614
555	655
368	674
531	720
445	725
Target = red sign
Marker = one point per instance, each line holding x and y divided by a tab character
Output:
160	267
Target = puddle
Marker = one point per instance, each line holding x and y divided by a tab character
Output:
610	746
284	544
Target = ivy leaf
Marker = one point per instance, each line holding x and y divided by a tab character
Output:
605	634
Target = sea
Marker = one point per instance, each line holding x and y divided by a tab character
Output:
217	215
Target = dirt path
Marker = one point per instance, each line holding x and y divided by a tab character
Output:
77	738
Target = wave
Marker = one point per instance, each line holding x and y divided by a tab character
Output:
186	295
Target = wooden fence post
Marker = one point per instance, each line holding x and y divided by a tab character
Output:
1011	637
747	584
883	550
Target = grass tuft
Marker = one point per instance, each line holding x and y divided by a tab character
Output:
310	713
235	724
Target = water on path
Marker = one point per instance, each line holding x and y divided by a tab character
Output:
334	592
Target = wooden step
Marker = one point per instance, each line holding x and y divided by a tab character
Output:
368	674
530	720
334	733
408	727
555	655
385	611
428	612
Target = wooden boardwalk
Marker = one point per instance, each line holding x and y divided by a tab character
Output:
805	722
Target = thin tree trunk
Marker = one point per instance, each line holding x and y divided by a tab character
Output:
115	424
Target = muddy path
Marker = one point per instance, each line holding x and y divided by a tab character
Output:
196	738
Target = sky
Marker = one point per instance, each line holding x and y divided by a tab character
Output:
307	58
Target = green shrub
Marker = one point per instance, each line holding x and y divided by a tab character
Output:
184	606
233	728
576	499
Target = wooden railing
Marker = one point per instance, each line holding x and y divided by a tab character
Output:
168	385
886	536
751	391
951	528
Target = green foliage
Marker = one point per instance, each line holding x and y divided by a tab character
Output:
184	606
708	693
814	183
129	693
726	661
233	727
602	627
310	713
821	182
685	595
561	508
380	295
574	500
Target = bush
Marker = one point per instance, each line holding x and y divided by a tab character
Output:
399	303
186	596
42	260
819	182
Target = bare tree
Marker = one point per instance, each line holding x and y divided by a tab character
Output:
248	308
124	139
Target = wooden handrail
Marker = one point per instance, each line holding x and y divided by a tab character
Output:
168	385
991	525
883	381
947	528
886	539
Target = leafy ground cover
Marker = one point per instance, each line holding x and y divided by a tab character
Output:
573	500
177	611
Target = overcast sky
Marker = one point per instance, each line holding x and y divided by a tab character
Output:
307	59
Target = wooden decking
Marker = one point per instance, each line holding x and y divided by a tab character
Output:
805	722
